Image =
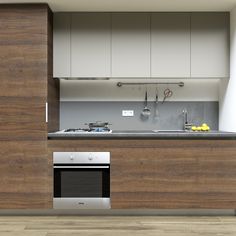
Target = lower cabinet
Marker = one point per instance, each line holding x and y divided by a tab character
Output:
25	175
175	176
165	174
133	178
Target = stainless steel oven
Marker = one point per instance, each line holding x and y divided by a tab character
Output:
81	180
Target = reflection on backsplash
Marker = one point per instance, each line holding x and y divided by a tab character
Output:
169	116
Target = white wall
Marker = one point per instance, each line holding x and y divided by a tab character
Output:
227	116
194	90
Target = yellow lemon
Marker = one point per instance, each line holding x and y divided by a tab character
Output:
199	128
204	125
194	128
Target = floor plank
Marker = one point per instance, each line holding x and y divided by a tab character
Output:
116	226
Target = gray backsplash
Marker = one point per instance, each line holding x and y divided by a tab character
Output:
75	114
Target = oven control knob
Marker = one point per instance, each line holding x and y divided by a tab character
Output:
71	157
90	157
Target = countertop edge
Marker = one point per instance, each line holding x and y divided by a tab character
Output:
230	136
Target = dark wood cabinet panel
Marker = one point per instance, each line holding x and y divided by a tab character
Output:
53	85
133	178
25	175
25	75
166	174
22	118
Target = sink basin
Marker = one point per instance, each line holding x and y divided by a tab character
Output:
133	131
147	131
169	131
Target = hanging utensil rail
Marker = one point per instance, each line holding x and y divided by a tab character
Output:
180	84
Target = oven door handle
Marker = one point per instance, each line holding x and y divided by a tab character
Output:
81	167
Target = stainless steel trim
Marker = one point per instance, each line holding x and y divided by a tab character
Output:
81	203
81	167
81	157
46	112
120	84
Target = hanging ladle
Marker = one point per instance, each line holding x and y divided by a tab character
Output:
146	111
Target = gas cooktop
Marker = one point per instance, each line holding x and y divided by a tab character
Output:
100	130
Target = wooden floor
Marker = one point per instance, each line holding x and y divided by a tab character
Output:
116	225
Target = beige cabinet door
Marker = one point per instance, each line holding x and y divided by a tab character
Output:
210	45
91	45
130	45
61	45
170	45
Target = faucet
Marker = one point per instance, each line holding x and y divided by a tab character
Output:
186	126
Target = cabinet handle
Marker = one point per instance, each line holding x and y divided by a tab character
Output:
81	167
46	110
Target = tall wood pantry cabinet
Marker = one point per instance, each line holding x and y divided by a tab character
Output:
26	86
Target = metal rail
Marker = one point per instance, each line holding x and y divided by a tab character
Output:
180	84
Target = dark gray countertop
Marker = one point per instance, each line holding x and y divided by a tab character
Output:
171	134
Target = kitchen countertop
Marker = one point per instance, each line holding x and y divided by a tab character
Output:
172	134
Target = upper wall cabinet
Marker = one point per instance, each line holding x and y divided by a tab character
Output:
210	45
130	45
157	45
170	45
61	45
91	45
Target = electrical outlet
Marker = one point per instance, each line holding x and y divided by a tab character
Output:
127	113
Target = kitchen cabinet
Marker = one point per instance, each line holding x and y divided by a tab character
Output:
165	174
210	45
91	45
184	174
141	45
130	45
61	45
26	85
133	178
170	45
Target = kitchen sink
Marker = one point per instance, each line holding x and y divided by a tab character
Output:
147	131
132	131
169	131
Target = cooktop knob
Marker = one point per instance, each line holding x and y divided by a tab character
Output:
90	157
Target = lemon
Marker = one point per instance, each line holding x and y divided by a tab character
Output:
204	125
194	128
199	128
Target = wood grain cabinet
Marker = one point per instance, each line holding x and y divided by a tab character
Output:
170	45
26	86
165	174
174	175
210	45
130	45
133	178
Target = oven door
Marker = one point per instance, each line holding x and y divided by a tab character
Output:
81	186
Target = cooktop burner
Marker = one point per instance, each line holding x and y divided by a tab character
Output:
76	130
84	130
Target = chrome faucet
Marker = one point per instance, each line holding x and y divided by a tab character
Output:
186	126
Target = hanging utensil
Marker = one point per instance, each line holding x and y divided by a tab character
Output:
167	94
156	106
146	111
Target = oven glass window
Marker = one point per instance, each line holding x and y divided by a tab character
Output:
84	183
